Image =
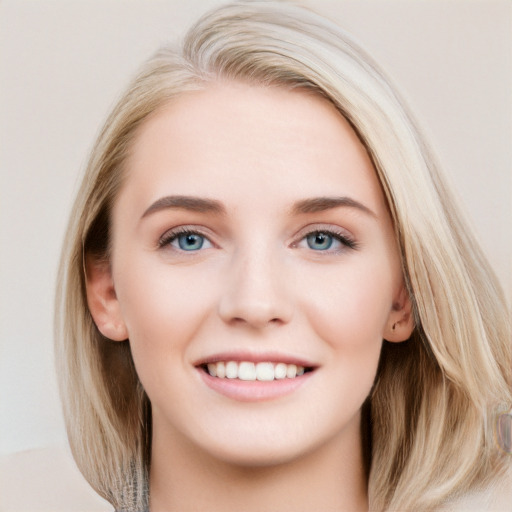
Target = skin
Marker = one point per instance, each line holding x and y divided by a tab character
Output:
256	285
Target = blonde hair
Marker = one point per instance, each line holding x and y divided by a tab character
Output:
431	411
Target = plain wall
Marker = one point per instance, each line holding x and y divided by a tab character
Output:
63	64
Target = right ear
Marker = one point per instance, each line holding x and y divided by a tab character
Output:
102	299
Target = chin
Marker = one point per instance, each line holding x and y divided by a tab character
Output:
263	447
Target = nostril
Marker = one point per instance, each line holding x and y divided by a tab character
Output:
256	318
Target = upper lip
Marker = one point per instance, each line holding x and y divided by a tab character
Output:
256	357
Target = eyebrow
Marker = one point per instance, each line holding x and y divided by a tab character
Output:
194	204
203	205
320	204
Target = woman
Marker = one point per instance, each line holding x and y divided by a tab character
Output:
259	213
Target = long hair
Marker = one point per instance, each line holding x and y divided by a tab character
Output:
435	397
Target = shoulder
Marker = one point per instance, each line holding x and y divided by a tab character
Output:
46	479
497	497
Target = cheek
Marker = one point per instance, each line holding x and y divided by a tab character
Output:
163	307
349	314
351	310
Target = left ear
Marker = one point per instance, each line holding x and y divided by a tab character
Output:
400	323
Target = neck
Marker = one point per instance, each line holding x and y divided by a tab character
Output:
329	478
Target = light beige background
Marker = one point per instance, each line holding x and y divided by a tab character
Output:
63	63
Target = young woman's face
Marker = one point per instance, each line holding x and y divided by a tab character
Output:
255	271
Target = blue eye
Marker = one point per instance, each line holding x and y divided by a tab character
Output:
320	241
190	241
327	241
185	240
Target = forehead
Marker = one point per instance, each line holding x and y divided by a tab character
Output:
237	139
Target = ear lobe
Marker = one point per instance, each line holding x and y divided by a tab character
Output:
400	323
102	299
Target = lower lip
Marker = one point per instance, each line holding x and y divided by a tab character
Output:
254	391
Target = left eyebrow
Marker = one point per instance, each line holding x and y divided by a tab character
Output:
320	204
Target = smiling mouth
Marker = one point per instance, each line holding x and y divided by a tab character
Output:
249	371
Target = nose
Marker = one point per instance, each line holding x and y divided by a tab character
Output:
255	293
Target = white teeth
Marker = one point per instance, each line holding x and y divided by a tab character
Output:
291	371
280	371
245	370
221	370
265	371
231	369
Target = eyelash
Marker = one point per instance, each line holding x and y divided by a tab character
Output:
169	237
346	241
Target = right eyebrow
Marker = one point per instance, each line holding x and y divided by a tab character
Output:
190	203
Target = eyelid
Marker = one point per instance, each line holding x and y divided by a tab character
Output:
171	234
341	234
